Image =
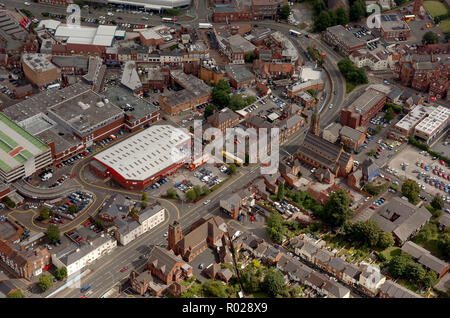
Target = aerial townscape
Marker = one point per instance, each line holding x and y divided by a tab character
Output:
135	158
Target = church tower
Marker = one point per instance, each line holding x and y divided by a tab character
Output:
174	235
314	126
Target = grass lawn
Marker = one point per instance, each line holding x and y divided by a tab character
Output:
445	25
435	8
260	295
390	252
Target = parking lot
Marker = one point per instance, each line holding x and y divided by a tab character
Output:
185	180
434	176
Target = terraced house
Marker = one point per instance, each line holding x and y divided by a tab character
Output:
21	154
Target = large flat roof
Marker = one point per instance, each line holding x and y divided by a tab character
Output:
102	35
16	145
147	153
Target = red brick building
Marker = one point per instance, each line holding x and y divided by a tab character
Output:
230	14
363	109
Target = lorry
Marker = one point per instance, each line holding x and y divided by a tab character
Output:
205	26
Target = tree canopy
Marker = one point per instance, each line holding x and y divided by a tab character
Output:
336	210
285	11
61	273
171	193
53	233
352	73
45	282
411	190
275	227
274	282
44	213
16	294
214	288
357	10
437	203
430	38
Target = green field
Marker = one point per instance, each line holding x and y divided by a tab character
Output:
445	26
435	8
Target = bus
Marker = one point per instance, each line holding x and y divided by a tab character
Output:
205	26
50	87
235	159
408	18
294	33
169	19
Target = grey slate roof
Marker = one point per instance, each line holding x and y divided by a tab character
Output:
163	259
395	290
239	73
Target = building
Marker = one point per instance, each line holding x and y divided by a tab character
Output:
130	78
320	153
365	58
331	132
203	234
155	36
352	138
425	258
142	159
139	113
239	76
344	40
401	218
365	107
167	266
223	119
392	26
235	47
195	92
232	14
393	290
21	153
263	9
405	126
370	170
85	40
39	70
23	91
273	71
432	125
75	259
131	228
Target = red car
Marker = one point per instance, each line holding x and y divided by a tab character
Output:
87	223
73	175
58	165
442	162
61	221
388	179
372	207
124	269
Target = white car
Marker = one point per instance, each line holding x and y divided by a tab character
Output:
27	3
206	202
165	234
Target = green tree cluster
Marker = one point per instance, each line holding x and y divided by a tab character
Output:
171	193
221	93
285	10
72	209
367	233
273	283
44	213
53	233
275	227
214	288
209	110
402	266
430	38
16	294
325	19
337	209
61	273
437	203
352	74
357	10
45	282
411	190
9	203
250	57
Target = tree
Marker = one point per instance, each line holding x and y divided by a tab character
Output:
223	86
341	16
430	38
371	232
72	209
411	190
99	223
437	203
209	110
143	205
430	279
133	212
386	240
322	21
214	288
198	191
274	282
336	209
206	190
397	266
275	227
236	102
144	197
53	233
10	203
250	281
250	57
61	273
280	194
44	213
232	169
171	193
285	11
357	10
220	97
389	115
16	294
190	195
414	271
318	6
45	282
